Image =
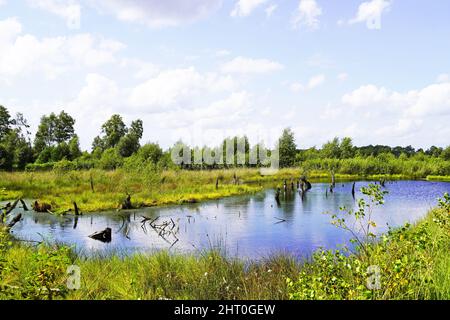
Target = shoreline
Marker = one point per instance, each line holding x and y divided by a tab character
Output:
91	202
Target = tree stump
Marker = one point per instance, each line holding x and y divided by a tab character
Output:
103	236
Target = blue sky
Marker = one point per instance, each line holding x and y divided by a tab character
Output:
375	70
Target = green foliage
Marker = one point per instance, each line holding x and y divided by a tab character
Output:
53	130
413	262
287	149
110	159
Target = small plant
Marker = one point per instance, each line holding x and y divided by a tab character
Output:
361	225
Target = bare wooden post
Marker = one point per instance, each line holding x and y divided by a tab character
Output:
353	190
92	183
217	183
75	207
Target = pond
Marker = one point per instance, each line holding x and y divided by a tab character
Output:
251	226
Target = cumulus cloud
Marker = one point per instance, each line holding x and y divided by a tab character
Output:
307	14
177	88
444	77
389	113
370	12
69	10
251	66
25	53
243	8
313	82
157	13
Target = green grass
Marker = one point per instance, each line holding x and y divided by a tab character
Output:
439	178
150	188
413	260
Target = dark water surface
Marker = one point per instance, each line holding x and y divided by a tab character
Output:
245	226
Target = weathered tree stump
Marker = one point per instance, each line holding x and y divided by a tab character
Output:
127	203
41	207
103	236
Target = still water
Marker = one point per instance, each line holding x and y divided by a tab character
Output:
252	226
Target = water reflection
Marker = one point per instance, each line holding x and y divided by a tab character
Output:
248	226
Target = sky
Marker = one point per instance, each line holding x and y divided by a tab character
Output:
200	70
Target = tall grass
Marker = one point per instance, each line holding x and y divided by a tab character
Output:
414	264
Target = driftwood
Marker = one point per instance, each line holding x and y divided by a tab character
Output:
164	229
14	221
42	207
103	236
24	205
10	207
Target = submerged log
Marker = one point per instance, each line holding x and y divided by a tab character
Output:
103	236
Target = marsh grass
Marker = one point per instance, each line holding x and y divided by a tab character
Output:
413	261
147	187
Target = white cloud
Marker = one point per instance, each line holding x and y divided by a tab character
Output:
444	77
296	87
25	53
372	101
248	66
9	29
69	10
270	10
157	13
2	2
313	82
243	8
370	12
307	14
316	81
141	69
222	53
177	88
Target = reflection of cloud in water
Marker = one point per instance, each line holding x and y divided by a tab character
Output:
246	225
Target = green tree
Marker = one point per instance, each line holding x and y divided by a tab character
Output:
446	154
287	148
74	148
113	129
332	149
54	129
5	122
346	148
128	145
110	159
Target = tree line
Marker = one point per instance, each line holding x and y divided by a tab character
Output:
55	144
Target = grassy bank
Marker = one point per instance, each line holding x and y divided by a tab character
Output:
148	188
413	262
